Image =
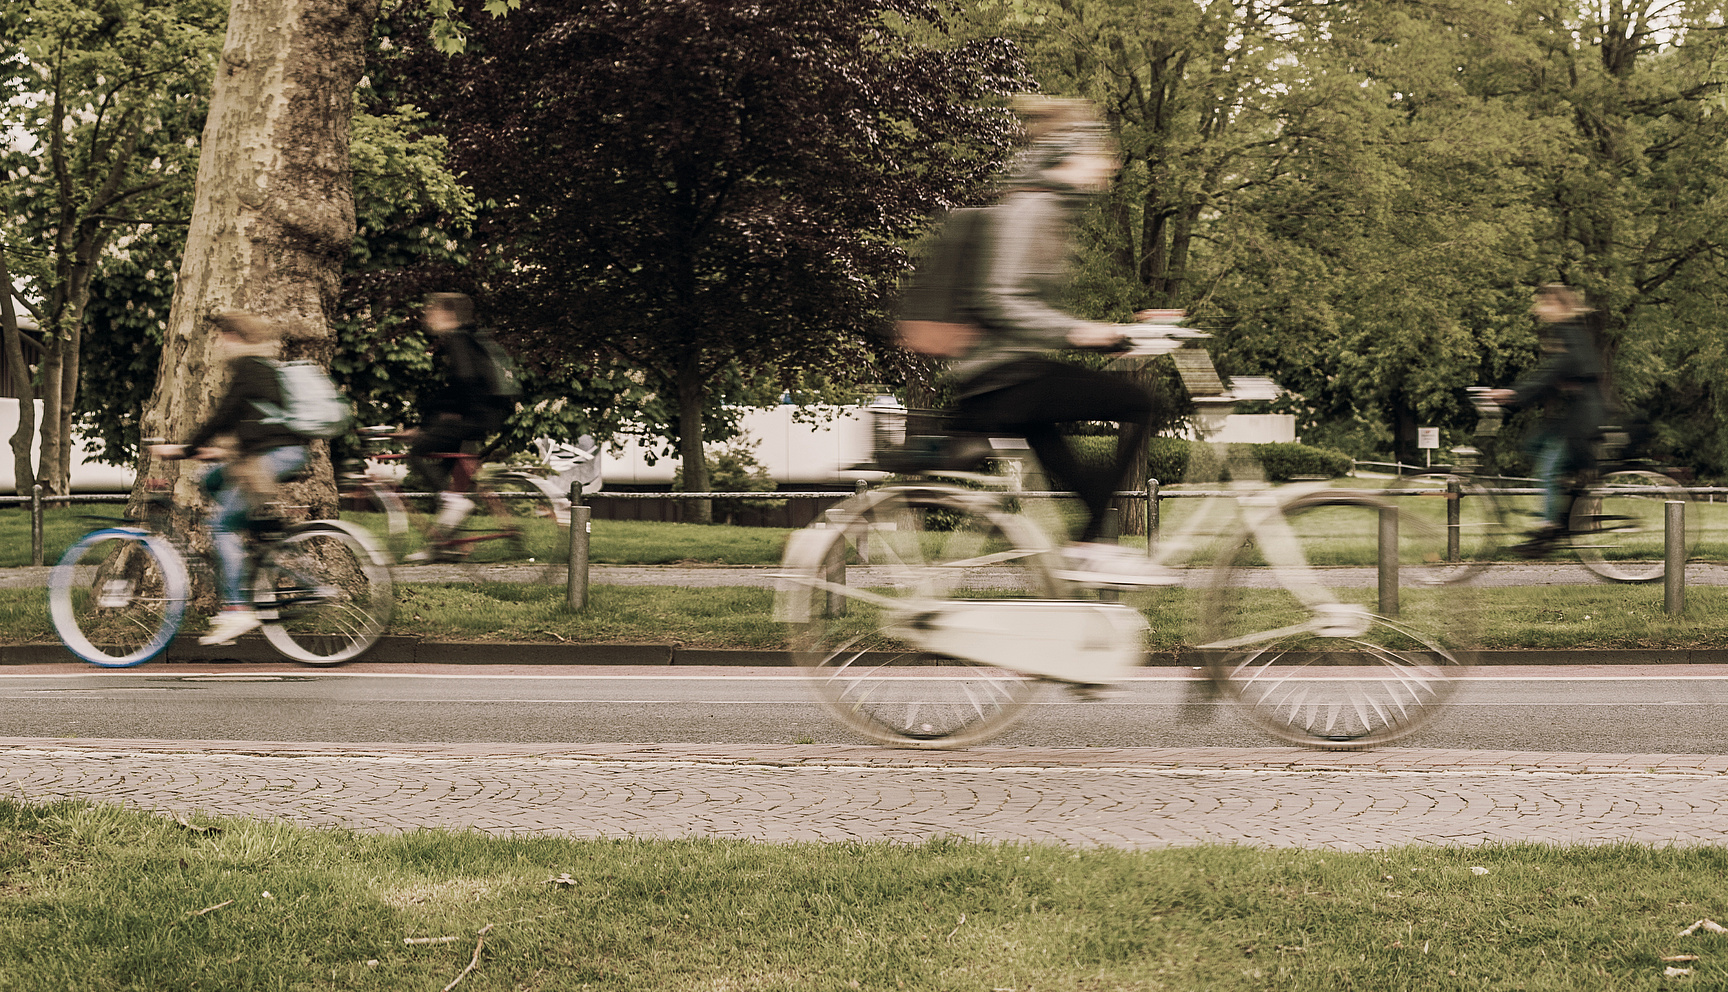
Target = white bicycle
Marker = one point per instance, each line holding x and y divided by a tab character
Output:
931	615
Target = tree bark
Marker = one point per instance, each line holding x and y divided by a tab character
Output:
691	431
23	469
273	215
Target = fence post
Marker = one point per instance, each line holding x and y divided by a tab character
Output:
36	524
863	535
576	575
1151	515
1674	553
1454	522
1388	561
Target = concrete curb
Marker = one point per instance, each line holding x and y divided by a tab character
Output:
404	650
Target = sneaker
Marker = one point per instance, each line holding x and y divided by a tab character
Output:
1111	566
228	625
453	508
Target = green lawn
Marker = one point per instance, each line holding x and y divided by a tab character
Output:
97	897
1586	617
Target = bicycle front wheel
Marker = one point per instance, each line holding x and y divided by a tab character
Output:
1473	526
1618	526
1332	624
118	596
863	589
325	593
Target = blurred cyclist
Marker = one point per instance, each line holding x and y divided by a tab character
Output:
464	408
1007	381
1567	385
264	453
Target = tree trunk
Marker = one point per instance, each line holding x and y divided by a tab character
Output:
690	448
23	469
273	215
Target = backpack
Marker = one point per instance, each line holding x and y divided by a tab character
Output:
498	372
311	405
938	316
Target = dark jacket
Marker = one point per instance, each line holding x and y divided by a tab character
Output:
465	391
250	379
1566	384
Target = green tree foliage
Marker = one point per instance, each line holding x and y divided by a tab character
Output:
103	103
1358	198
703	191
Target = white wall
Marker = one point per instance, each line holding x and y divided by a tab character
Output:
1258	428
793	453
87	475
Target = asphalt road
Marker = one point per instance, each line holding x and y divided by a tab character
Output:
1606	709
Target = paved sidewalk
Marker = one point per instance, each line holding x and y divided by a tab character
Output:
1120	797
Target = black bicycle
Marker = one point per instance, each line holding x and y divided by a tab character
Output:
1617	526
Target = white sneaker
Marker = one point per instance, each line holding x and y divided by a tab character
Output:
1111	566
228	625
453	508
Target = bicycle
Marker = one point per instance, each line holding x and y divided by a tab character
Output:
1617	525
119	595
931	615
530	538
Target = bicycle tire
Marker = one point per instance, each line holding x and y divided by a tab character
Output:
1619	533
118	596
325	593
381	511
850	632
1313	654
1485	525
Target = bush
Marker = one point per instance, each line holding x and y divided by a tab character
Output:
1172	459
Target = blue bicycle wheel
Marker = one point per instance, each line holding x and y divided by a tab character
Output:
117	596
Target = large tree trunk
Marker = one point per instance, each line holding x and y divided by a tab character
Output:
12	339
691	431
273	216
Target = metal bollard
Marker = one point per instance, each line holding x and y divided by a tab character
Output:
834	572
863	535
576	575
1674	553
1454	513
1388	562
1151	517
36	524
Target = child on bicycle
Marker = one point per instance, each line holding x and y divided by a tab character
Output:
1006	381
263	453
1567	384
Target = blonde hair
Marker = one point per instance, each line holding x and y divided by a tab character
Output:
1571	300
257	335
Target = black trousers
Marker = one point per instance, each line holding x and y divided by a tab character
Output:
1041	394
445	433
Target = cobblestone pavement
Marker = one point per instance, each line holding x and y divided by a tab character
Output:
1119	797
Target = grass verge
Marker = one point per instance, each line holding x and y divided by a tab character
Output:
101	897
1602	617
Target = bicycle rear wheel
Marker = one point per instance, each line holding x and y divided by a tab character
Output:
1324	639
118	596
326	593
1618	526
859	588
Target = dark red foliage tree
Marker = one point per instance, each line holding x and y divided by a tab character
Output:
710	191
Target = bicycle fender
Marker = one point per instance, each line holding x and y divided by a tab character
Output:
360	534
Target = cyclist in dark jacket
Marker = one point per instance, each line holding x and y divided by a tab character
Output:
461	410
255	453
1567	385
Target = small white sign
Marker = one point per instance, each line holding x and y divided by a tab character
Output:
1427	437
